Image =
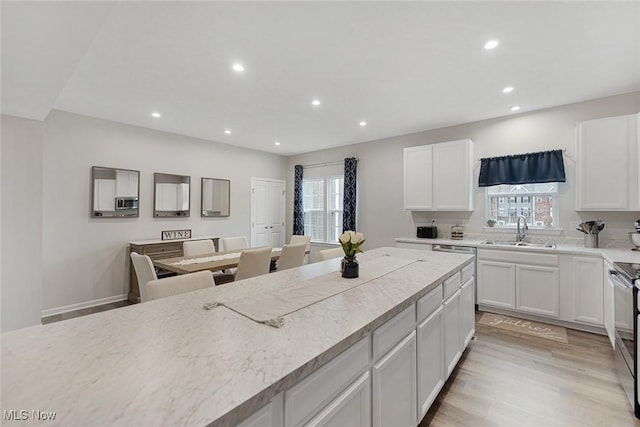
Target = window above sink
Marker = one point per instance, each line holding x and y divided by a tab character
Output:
538	203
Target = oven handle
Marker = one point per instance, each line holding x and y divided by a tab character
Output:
615	276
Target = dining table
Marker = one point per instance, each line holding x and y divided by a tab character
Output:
213	262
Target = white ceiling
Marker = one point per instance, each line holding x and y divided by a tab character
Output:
400	66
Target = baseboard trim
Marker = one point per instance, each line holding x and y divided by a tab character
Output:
73	307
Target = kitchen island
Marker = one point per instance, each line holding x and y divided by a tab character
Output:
171	362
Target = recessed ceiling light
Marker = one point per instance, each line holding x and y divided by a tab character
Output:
315	102
227	131
276	143
515	108
156	114
238	67
491	44
507	89
363	123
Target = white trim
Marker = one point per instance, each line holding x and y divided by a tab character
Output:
73	307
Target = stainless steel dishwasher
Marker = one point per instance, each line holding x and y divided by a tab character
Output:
470	250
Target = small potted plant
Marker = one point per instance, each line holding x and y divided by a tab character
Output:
491	222
351	242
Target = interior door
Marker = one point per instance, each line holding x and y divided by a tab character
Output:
267	212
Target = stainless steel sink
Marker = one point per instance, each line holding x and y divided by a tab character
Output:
518	244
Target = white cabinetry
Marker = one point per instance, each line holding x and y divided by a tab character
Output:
394	386
607	164
609	313
431	366
270	415
468	312
126	183
452	329
351	409
538	290
439	176
588	290
524	282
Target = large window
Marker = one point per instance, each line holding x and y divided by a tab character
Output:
536	202
323	208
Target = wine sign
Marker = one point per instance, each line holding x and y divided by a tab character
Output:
176	234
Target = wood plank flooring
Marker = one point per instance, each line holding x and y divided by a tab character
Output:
508	379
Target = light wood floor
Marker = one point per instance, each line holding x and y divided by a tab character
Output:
508	379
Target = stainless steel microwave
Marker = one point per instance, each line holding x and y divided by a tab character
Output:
126	203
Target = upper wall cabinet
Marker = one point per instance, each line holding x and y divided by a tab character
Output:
439	177
607	164
114	192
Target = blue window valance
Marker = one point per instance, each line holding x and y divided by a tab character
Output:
530	168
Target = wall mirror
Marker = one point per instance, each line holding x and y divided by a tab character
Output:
171	195
215	200
114	192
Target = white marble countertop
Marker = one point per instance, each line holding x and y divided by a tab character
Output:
609	254
169	362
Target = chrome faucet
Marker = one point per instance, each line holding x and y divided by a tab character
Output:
521	235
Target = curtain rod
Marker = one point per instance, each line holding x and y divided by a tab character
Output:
319	165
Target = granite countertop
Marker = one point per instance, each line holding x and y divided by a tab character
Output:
609	254
169	362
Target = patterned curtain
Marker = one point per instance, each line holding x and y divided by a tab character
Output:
298	208
349	208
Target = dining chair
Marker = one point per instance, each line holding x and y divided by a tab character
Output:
234	243
161	288
144	272
331	253
291	256
302	239
192	248
253	262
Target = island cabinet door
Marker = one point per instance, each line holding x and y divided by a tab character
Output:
452	338
468	308
394	397
351	409
430	360
270	415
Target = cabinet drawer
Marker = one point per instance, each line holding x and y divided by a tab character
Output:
452	284
468	272
428	303
309	396
518	257
392	332
162	249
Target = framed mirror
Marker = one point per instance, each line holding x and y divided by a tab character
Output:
172	195
114	192
215	200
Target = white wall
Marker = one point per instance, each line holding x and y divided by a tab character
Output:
381	215
84	259
21	223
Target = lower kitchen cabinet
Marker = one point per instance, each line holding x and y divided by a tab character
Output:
351	409
270	415
496	284
431	367
452	338
394	386
468	312
608	309
588	290
538	290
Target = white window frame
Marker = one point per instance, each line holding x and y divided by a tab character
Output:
506	197
327	206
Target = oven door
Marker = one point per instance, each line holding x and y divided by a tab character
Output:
624	299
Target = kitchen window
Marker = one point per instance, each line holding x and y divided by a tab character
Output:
323	198
536	202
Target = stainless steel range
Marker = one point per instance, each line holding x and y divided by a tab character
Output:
626	279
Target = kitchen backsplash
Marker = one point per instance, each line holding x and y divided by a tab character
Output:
614	235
